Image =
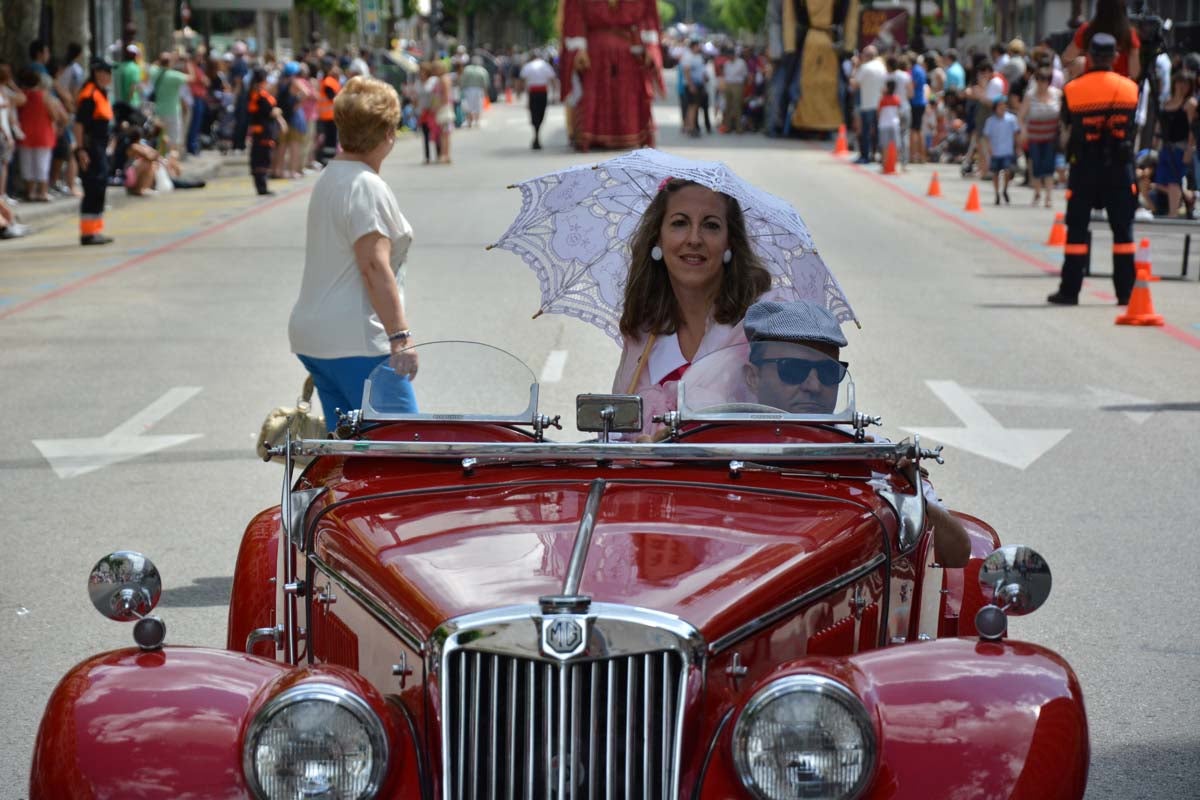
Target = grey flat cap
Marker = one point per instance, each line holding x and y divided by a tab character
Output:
1103	44
797	321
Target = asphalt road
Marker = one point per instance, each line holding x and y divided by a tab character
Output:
197	290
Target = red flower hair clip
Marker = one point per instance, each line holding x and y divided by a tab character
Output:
663	184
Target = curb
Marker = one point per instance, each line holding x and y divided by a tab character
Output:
197	168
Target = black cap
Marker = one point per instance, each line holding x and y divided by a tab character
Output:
100	65
1103	45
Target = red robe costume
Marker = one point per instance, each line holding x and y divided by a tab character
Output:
621	40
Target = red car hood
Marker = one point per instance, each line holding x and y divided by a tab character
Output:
723	557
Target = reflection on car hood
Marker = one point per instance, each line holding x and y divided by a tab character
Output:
726	556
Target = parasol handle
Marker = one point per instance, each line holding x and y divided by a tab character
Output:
641	365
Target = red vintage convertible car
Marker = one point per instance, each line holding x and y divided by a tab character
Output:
449	605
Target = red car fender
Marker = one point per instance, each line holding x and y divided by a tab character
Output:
170	723
252	602
1002	719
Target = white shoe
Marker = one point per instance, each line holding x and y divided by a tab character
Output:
1143	215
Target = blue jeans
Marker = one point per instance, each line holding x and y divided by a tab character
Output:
866	136
199	112
339	383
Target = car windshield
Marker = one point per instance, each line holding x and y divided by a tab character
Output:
782	379
454	381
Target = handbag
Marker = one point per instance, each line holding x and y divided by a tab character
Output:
299	420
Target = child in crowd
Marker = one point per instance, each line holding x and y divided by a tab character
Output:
889	118
1000	130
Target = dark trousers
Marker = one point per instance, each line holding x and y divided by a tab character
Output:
327	149
867	119
1113	189
95	184
261	151
537	112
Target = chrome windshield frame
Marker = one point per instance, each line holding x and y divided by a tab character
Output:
599	451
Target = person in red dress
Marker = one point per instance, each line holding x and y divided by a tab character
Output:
613	45
1110	18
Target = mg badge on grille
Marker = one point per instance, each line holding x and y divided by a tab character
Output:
562	636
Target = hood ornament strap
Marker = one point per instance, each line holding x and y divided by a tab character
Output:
570	601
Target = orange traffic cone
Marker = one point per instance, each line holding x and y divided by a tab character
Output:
935	188
1141	307
1143	264
972	199
889	160
840	148
487	103
508	96
1058	232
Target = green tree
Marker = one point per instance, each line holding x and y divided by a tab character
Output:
342	14
739	15
666	13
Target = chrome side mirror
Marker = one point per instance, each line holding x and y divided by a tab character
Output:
125	586
1016	581
608	413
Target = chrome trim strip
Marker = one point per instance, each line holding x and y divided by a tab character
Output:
424	778
787	609
370	604
583	538
657	451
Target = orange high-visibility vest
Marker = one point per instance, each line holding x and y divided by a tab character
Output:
324	102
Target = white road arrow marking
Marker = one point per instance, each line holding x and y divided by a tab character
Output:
983	435
1094	398
70	458
552	370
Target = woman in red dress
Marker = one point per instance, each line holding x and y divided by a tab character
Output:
613	45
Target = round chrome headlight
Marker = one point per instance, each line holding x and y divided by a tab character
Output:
804	736
318	741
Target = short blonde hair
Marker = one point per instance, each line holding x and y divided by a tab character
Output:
365	111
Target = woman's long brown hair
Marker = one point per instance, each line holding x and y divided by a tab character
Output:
650	305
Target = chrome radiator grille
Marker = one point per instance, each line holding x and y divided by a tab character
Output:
519	728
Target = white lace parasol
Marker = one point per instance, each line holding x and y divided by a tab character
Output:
575	226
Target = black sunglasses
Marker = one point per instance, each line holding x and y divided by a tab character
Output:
794	371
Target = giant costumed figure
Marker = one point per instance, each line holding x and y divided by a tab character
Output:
612	48
807	38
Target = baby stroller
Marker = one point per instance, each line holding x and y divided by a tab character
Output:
951	147
223	109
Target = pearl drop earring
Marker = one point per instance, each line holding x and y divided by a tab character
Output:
656	253
727	257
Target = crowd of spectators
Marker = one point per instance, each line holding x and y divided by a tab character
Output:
720	79
997	114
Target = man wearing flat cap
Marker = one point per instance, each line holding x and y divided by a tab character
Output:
794	367
1098	111
794	351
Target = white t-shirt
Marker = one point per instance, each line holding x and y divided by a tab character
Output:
333	317
871	77
537	73
735	71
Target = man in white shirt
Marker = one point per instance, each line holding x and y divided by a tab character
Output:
536	78
733	85
869	80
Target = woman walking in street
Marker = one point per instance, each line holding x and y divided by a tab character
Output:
443	109
350	315
1039	128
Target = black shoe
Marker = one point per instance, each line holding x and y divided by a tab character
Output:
1006	197
267	193
997	199
1060	299
1123	302
537	145
95	238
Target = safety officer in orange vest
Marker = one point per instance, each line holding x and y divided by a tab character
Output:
266	125
93	119
1098	110
331	84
